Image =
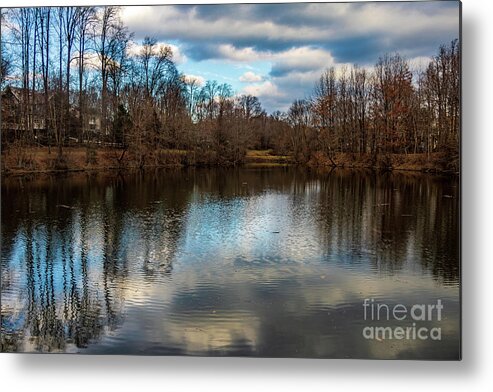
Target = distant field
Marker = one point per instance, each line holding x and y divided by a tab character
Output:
266	158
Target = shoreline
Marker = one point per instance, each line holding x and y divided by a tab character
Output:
39	161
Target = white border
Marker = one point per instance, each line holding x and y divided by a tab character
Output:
475	372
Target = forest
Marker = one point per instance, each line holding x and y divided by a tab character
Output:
76	86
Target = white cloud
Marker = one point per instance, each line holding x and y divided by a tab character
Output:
419	63
230	52
199	80
293	74
178	56
265	89
300	58
186	22
91	60
134	49
250	77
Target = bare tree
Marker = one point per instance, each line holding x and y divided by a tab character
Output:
109	36
22	32
5	60
87	20
43	35
299	119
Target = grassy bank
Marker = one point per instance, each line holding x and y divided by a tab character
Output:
428	163
41	160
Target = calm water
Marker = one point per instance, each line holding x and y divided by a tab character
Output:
256	262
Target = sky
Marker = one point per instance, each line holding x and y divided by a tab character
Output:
278	51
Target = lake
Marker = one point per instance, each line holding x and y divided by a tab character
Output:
245	262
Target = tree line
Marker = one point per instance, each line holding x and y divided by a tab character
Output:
80	71
384	110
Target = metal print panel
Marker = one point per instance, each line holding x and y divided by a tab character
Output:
264	180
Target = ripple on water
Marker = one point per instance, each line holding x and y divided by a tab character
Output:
203	265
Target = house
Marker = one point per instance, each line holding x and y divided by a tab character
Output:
23	110
91	124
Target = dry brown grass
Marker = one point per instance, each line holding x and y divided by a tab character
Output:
436	162
38	159
41	159
265	157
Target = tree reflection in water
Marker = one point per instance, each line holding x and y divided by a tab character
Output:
80	252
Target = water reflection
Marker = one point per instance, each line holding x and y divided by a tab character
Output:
268	262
